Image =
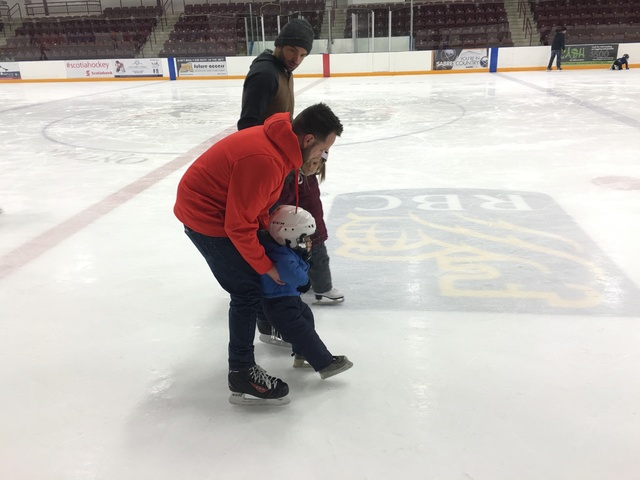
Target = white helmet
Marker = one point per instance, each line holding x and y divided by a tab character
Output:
289	225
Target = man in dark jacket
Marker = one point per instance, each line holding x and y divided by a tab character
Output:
267	89
557	47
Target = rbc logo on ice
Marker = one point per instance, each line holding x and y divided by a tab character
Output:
475	250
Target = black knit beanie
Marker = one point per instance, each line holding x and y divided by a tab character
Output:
297	33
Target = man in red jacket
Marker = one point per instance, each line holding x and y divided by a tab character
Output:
224	199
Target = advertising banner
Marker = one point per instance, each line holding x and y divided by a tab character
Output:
125	68
137	67
600	54
9	71
461	59
90	68
201	67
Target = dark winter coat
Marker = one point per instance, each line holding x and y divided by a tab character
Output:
558	42
267	89
621	61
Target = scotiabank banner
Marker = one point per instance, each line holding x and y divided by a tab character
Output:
125	68
90	68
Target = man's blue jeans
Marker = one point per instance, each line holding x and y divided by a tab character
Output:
555	55
242	283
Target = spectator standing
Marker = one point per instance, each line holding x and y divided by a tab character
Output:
43	50
557	48
269	88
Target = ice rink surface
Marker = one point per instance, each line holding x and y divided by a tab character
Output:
485	229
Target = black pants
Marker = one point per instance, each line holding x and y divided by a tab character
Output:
294	320
242	283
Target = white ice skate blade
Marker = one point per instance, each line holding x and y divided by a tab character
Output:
301	364
247	400
264	338
328	301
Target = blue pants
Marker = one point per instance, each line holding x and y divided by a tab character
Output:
294	320
554	54
242	283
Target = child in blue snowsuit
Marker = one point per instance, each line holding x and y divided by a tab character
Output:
620	62
282	304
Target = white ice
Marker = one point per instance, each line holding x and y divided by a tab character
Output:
488	344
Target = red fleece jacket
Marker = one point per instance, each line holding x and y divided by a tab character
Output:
228	190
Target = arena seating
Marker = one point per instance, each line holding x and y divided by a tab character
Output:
117	32
461	24
221	28
203	29
588	21
224	28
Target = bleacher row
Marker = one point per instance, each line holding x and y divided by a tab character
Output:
437	25
588	21
117	32
203	27
254	8
224	32
224	28
216	29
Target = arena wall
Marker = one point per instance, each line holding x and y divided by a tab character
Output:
328	65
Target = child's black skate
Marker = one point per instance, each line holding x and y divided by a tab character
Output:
253	386
300	362
270	335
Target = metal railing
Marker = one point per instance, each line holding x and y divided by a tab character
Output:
527	27
66	7
344	29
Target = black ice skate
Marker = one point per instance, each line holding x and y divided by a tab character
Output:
270	335
330	297
300	362
340	364
254	387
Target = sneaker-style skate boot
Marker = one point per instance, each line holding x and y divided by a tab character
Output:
270	335
340	364
253	386
329	297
